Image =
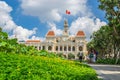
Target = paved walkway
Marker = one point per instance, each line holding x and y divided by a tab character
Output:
107	72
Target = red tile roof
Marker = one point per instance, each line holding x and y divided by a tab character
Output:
80	33
51	33
33	41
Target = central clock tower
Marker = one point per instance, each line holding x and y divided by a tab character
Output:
65	31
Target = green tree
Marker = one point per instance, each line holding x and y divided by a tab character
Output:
112	10
3	40
107	39
102	41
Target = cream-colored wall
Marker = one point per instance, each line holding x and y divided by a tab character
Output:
51	41
64	40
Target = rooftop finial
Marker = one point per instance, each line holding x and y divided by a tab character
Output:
65	23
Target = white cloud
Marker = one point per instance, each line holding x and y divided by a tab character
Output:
4	7
22	33
88	25
53	27
50	11
38	38
9	25
5	20
53	10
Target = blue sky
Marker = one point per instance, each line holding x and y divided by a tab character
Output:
31	19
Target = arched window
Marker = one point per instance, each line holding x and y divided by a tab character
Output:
69	48
39	48
73	48
35	47
56	48
73	40
49	47
80	48
57	40
43	48
65	48
60	48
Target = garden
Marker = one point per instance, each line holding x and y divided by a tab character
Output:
21	62
27	67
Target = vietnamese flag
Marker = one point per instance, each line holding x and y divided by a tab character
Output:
67	12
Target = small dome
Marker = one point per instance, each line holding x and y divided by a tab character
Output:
50	34
80	34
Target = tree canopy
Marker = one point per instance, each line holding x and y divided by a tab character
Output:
107	39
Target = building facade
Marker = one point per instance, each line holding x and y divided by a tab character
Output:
62	44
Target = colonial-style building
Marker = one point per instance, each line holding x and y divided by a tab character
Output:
61	44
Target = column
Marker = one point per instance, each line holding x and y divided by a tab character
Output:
41	47
67	48
62	48
37	47
71	48
46	47
58	48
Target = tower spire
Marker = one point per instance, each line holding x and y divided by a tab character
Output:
65	32
65	23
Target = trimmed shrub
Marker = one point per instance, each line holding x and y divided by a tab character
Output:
60	54
107	61
46	54
71	56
